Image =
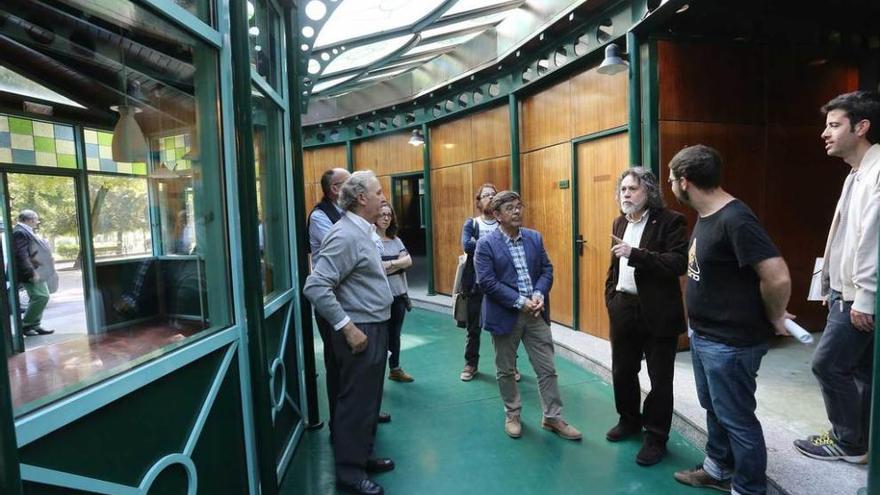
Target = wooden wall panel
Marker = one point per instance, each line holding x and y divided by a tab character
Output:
792	102
545	117
742	151
451	202
452	143
600	162
370	154
491	131
320	159
701	82
802	189
548	210
402	156
496	171
598	102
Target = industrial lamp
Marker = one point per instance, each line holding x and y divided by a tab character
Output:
613	63
417	139
129	144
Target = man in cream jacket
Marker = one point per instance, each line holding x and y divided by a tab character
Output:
843	359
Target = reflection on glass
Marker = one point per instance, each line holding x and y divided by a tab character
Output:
120	216
153	275
271	195
364	17
264	39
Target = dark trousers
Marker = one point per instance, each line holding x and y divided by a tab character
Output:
361	377
331	367
395	326
631	338
843	364
472	341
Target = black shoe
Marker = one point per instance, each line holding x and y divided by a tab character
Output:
37	330
379	465
365	486
384	417
651	453
621	431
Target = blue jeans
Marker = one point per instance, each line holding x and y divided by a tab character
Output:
725	379
843	364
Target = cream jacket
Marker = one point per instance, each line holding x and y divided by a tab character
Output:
858	261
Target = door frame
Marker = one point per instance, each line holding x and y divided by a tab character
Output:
575	217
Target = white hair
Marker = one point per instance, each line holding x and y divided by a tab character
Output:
354	186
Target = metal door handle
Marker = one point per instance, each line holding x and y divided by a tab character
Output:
580	241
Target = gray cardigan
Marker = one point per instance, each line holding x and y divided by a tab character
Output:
348	278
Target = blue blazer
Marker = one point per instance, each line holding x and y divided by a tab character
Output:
497	278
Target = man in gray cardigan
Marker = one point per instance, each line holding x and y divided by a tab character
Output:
349	289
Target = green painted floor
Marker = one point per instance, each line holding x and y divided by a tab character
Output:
447	436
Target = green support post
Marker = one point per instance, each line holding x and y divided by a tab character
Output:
513	110
349	156
10	476
248	223
429	226
301	260
635	108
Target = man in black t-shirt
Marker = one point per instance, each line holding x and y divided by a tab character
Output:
737	292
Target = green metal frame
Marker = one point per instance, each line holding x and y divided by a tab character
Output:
429	222
513	113
10	474
575	217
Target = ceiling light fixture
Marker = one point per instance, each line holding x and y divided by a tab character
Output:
613	63
417	139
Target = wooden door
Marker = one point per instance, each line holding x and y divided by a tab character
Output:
599	164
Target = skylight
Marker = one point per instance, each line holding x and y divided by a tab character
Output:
354	19
13	82
363	56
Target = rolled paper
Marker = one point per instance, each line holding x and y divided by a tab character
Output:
798	332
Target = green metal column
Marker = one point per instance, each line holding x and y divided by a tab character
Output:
301	266
349	156
250	251
635	107
429	226
10	476
513	110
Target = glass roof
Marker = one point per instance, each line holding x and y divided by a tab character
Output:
12	82
350	42
356	18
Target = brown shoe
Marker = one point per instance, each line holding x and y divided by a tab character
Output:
621	431
513	427
467	374
398	375
699	478
651	453
561	428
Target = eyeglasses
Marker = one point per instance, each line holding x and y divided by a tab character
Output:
487	195
513	208
388	215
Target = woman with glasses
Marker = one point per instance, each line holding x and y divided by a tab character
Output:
395	260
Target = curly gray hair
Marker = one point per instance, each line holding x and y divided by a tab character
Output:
355	185
646	178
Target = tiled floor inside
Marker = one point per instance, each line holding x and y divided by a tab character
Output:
447	436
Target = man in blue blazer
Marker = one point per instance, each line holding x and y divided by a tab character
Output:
515	276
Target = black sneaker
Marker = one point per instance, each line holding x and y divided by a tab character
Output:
36	330
699	478
824	447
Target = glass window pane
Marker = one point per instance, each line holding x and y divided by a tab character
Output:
12	82
365	55
120	217
26	141
264	38
447	43
271	195
155	194
356	18
486	21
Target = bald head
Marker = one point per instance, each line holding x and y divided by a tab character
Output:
331	182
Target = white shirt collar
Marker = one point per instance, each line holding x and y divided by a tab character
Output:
362	224
641	220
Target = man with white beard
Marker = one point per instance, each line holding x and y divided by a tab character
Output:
643	297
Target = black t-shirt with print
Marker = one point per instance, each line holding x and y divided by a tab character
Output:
723	291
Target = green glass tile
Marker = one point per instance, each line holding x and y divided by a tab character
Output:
168	143
139	168
67	161
21	126
44	144
105	138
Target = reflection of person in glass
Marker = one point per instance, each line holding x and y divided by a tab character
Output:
35	269
184	233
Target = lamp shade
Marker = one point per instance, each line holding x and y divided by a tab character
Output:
416	139
613	63
129	144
